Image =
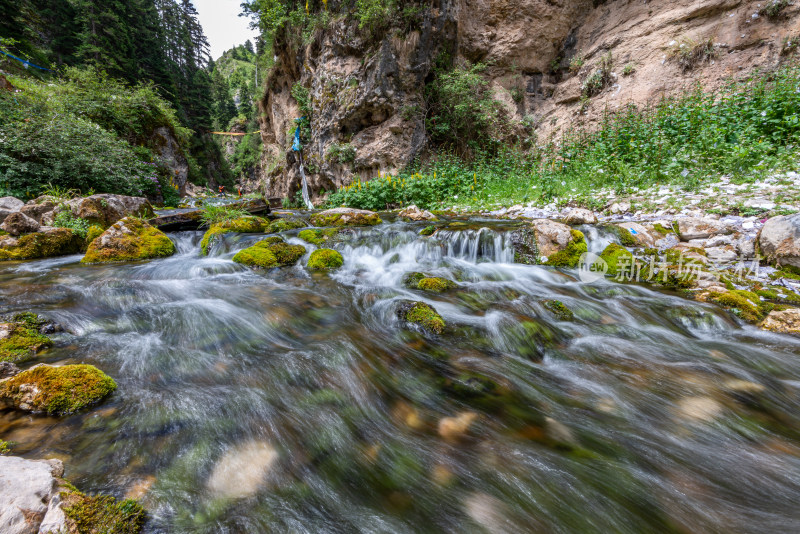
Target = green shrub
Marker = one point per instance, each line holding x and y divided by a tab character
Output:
65	219
221	214
341	153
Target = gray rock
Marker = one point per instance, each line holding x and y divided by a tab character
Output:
779	240
37	210
7	370
415	214
700	228
104	209
580	216
10	203
18	223
30	496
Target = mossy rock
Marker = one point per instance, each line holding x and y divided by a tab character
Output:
284	225
270	252
557	308
101	514
744	304
625	237
428	231
57	390
21	339
45	244
613	254
571	255
412	280
345	217
325	259
423	315
317	236
243	225
93	233
436	285
129	239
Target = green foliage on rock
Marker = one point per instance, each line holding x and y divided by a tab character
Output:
612	255
59	390
284	225
435	285
425	316
557	308
317	236
744	304
325	259
270	252
65	219
256	257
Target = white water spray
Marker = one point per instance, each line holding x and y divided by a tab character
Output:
306	199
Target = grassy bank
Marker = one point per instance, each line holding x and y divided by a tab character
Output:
745	130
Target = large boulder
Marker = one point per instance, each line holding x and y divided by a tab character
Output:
129	239
38	208
577	216
700	228
104	209
779	240
549	243
45	243
9	205
18	224
56	390
345	217
633	234
30	495
271	252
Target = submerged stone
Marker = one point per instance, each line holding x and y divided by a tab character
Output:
455	429
557	308
56	390
423	315
325	259
242	470
129	239
345	217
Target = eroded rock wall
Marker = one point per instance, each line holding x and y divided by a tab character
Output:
368	93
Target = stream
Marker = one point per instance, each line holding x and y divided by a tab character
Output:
283	401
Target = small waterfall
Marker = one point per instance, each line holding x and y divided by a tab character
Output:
306	199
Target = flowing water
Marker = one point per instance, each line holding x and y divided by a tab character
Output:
280	401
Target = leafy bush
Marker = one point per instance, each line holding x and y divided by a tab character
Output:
65	219
464	115
600	78
774	8
341	153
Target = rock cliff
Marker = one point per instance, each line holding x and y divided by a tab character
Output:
552	64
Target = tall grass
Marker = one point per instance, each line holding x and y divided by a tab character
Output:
743	130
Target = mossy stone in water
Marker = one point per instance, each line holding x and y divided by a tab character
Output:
744	304
423	315
427	231
129	239
21	339
571	255
283	225
612	255
557	308
242	225
436	285
270	252
57	390
412	280
325	259
101	514
317	236
345	217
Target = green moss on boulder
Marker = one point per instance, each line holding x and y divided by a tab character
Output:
93	233
557	308
427	231
242	225
21	339
270	252
101	514
436	285
345	217
612	255
43	244
129	239
743	304
284	225
317	236
57	390
325	259
423	315
571	255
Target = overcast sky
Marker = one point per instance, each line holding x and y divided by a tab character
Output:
223	25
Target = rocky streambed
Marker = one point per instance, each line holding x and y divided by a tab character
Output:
349	372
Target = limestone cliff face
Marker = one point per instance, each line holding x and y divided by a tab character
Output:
368	94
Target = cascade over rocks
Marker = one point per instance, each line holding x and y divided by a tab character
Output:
779	240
